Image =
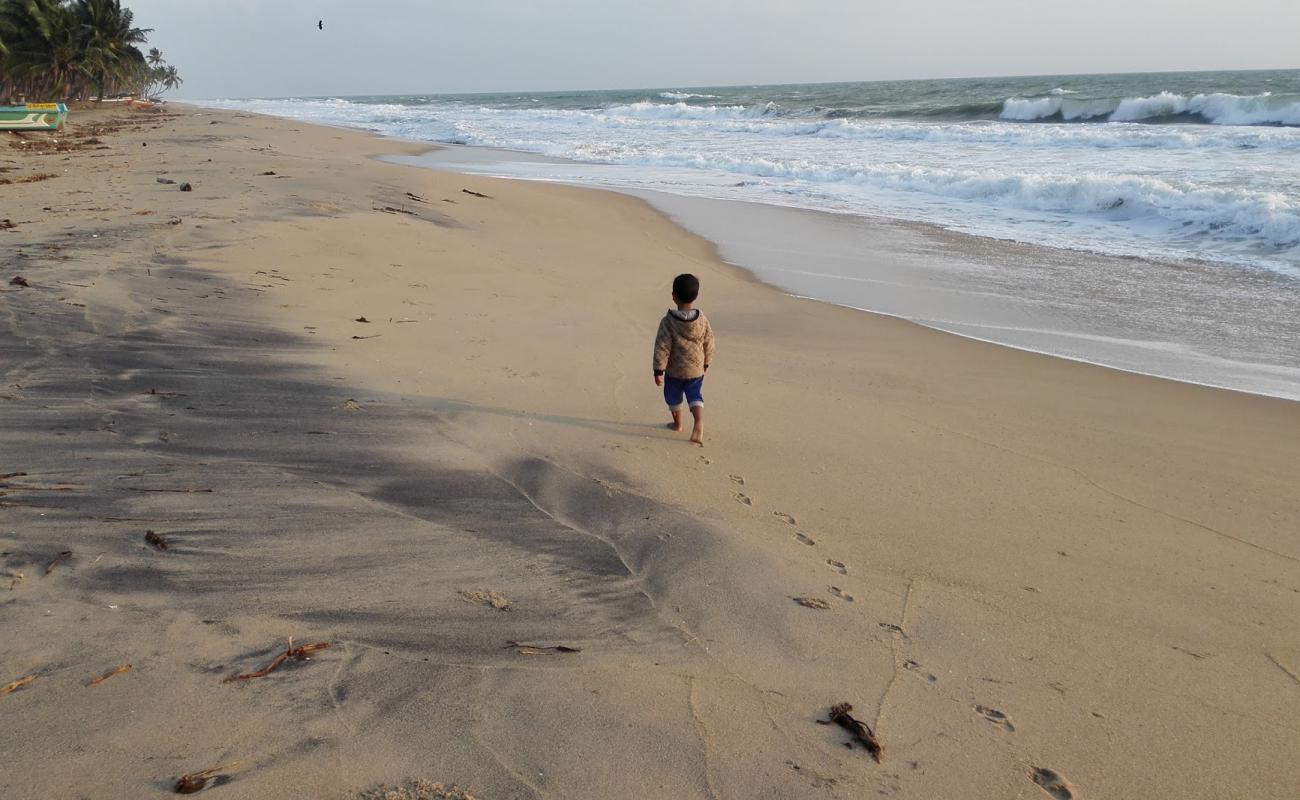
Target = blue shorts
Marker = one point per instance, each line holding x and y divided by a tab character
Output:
679	392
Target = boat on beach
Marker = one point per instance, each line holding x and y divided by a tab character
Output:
33	117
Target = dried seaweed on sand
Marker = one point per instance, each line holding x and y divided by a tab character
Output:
299	653
155	541
862	733
195	781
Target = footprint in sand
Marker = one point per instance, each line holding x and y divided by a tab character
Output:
705	461
737	479
915	666
1052	782
784	517
801	539
743	499
841	594
838	566
996	717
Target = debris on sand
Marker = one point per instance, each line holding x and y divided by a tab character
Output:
374	336
19	280
174	221
16	685
350	405
392	210
541	649
477	194
862	733
195	781
416	198
165	180
299	653
155	541
813	602
59	559
486	598
268	172
416	789
360	319
185	187
118	670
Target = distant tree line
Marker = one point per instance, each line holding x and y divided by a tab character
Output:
77	49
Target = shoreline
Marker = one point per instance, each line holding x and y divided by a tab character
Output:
1265	379
424	431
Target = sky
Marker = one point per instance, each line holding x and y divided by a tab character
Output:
272	48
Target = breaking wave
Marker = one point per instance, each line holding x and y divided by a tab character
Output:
1215	109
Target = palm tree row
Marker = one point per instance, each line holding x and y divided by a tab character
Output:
66	49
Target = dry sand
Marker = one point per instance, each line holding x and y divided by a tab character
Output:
1031	572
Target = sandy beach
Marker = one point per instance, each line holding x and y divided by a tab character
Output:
410	414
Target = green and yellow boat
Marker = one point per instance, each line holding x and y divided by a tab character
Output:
33	117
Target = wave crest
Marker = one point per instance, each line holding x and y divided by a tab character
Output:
1216	109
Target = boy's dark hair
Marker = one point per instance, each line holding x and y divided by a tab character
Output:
686	287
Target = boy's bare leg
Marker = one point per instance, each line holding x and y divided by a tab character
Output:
697	433
676	424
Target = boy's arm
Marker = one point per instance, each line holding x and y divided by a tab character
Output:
709	347
663	347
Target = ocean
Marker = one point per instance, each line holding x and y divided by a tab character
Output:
1184	171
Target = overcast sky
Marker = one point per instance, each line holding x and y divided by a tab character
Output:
268	48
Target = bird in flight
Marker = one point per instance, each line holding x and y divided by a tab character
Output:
320	24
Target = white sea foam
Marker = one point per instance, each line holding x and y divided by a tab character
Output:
1128	187
686	96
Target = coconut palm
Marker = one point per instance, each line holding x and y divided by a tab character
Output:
108	40
54	49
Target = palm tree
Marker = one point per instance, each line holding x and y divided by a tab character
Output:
41	49
109	40
171	79
53	49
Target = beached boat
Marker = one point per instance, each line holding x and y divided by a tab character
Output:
33	117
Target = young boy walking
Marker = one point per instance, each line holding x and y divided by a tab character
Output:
683	352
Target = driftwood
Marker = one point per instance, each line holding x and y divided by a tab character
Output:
16	685
861	732
118	670
59	559
541	649
477	194
155	541
299	653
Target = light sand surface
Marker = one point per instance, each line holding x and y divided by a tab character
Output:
1029	563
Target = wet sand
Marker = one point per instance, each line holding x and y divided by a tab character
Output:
1024	566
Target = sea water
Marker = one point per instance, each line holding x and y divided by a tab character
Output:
1186	171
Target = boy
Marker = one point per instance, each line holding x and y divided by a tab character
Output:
683	352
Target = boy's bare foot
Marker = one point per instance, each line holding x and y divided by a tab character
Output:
674	426
697	435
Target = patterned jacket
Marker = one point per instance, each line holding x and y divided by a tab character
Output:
683	345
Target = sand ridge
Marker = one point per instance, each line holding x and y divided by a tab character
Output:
364	406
